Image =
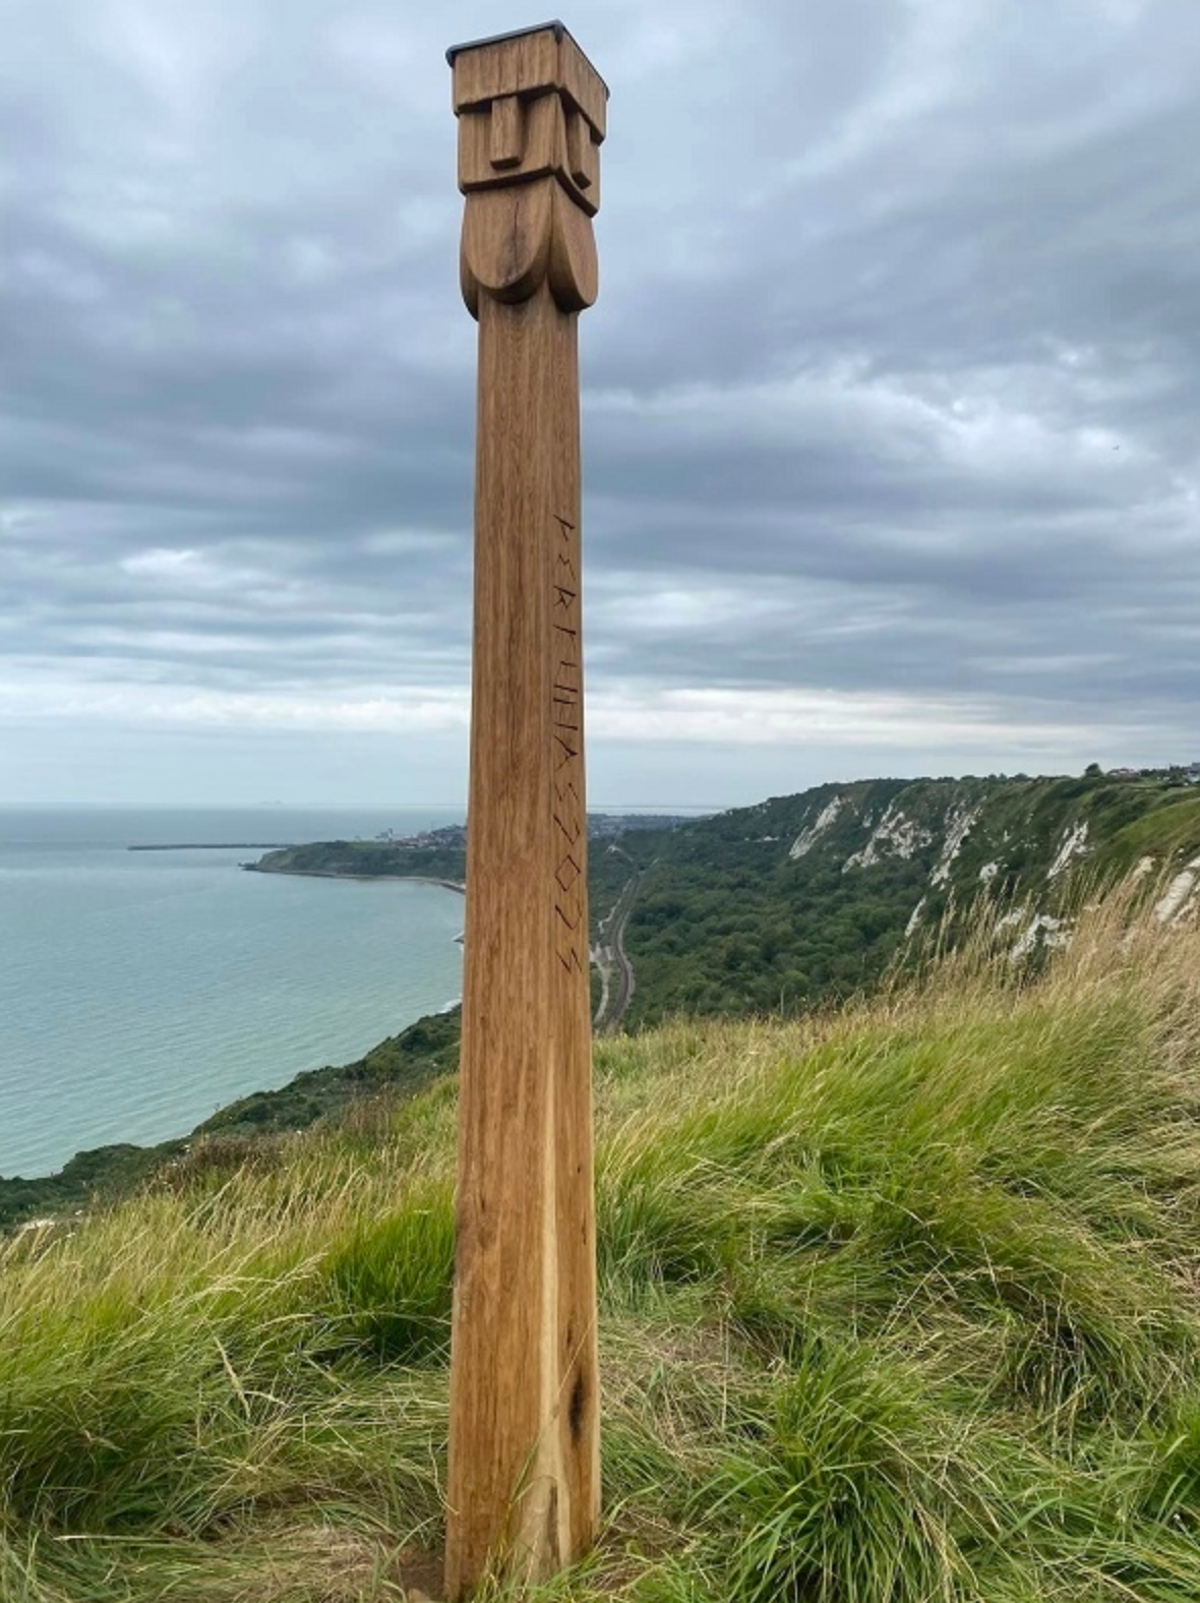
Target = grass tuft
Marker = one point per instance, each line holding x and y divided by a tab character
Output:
900	1304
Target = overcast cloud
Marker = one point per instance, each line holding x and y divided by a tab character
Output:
891	397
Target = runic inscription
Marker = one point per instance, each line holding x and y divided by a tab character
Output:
570	903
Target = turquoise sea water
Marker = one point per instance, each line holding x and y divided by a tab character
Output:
139	991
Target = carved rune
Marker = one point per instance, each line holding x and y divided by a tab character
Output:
566	732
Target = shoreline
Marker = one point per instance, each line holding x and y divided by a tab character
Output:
409	1058
217	846
456	885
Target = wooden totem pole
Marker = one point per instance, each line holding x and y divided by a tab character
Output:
524	1437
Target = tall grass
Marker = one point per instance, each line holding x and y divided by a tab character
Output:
899	1304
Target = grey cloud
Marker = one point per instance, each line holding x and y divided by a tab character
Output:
896	351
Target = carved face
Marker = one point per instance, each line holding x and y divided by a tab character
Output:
517	138
529	105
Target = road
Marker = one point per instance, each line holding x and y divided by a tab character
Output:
616	971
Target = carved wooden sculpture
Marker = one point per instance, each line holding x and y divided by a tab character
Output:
524	1439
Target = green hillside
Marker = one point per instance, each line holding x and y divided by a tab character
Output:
804	899
899	1304
778	907
368	859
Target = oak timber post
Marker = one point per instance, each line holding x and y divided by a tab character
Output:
523	1491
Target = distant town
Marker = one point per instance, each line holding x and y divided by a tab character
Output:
1176	774
600	827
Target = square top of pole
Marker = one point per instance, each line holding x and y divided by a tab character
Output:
529	62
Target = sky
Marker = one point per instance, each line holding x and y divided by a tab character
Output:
891	397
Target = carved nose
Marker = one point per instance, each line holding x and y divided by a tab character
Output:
508	132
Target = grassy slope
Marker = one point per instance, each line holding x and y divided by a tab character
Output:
902	1305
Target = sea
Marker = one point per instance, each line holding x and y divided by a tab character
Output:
142	990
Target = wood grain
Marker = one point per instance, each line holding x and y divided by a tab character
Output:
524	1444
524	1473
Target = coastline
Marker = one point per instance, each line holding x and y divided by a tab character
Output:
399	1065
123	913
337	873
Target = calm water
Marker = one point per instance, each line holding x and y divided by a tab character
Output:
139	991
